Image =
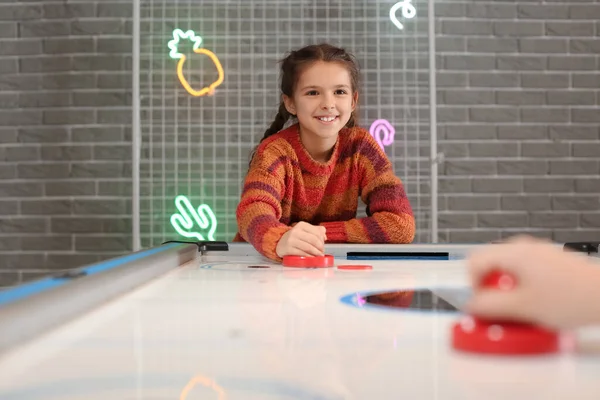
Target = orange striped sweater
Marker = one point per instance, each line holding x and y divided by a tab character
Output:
285	185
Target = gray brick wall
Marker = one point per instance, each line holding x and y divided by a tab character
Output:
518	86
64	135
518	93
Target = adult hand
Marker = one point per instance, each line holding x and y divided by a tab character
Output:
554	288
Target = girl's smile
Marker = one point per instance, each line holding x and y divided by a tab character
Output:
323	101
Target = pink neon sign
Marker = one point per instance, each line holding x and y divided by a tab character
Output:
383	132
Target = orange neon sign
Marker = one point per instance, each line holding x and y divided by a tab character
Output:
204	381
178	34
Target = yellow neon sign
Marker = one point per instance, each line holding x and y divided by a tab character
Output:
178	34
204	381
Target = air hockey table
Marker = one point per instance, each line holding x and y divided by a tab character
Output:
218	321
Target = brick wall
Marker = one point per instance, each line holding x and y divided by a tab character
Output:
518	114
64	134
518	124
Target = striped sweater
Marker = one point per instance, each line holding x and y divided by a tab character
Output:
285	185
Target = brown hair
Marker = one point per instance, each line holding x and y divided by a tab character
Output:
295	62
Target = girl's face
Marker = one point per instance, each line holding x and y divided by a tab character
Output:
323	99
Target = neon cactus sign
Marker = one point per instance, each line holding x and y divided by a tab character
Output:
200	224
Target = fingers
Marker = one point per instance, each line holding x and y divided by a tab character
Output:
294	251
507	257
522	239
302	240
308	242
316	230
518	255
323	232
542	271
496	305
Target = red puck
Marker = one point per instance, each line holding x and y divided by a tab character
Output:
325	261
352	267
499	280
502	337
508	338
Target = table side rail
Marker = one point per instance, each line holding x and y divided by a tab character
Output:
25	318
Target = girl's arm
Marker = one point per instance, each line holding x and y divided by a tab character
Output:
390	217
259	210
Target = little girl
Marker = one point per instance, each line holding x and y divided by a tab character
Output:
303	184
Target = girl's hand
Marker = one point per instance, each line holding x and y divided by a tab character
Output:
303	239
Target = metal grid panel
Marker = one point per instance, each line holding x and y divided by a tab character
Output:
199	146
